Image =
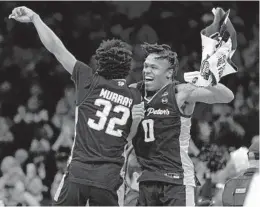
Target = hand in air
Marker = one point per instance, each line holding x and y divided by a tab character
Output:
138	112
22	14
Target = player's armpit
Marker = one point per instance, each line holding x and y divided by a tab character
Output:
210	95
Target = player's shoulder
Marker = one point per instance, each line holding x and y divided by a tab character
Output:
137	85
133	85
82	74
183	91
79	65
135	89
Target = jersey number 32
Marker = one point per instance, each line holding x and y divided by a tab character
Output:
103	118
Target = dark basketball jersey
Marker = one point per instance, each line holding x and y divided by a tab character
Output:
162	140
102	124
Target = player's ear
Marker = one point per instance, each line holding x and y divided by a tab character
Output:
169	74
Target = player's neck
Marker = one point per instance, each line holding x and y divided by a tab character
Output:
150	94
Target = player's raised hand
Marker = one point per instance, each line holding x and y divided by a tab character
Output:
22	14
138	112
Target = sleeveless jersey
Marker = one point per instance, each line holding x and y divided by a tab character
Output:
162	141
102	124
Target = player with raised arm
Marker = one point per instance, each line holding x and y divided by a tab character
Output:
163	137
103	118
162	140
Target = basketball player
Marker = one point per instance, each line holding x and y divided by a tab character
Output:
163	136
103	118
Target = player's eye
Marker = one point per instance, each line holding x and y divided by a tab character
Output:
154	67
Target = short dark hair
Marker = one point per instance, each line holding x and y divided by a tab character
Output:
165	52
114	59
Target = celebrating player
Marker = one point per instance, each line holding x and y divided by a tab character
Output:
103	118
163	137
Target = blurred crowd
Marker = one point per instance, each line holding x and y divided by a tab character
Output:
37	96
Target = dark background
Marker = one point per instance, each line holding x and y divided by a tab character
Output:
31	79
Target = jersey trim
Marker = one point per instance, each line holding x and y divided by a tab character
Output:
149	100
75	135
58	191
190	195
184	141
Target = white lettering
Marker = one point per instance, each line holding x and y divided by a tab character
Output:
130	102
120	99
116	98
109	95
157	112
103	93
125	101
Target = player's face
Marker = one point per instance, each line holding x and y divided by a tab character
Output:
157	72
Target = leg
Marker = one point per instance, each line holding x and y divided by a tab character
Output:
148	194
178	195
68	194
102	197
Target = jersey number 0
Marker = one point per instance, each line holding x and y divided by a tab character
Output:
103	115
148	126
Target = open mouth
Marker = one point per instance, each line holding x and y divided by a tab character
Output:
148	79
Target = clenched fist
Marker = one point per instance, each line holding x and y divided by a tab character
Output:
138	112
22	14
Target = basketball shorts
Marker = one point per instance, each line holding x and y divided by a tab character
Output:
75	194
152	193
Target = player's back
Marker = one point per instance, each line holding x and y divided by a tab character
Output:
162	140
103	120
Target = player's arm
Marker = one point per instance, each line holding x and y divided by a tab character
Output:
133	130
47	36
54	44
210	95
137	116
